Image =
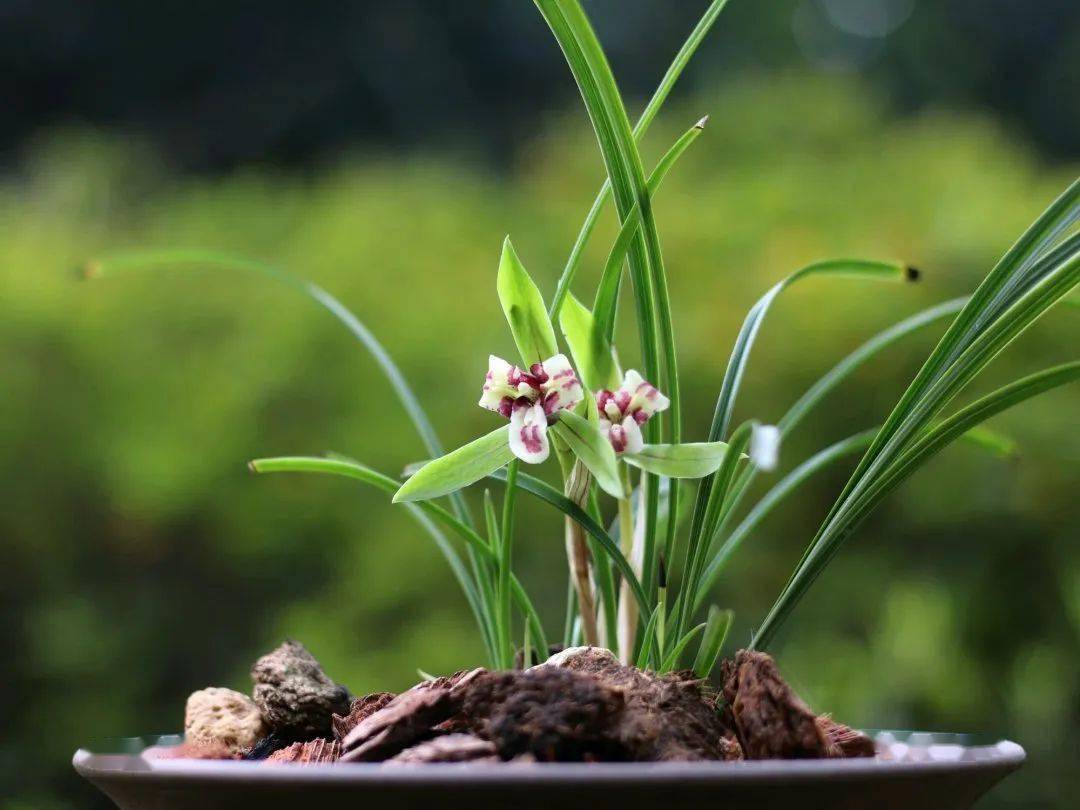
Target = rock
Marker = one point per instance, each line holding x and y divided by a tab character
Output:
599	656
312	752
667	717
449	748
361	708
519	656
770	720
189	750
224	717
296	698
843	741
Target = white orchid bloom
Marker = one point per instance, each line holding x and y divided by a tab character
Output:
623	412
530	400
765	447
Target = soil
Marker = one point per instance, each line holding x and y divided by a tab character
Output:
581	705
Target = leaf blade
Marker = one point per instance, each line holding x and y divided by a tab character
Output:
687	460
524	308
593	448
458	468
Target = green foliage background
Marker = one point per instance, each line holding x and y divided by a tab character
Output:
140	560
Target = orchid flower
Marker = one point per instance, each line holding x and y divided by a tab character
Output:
623	412
530	400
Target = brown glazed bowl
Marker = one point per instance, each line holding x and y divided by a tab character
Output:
915	770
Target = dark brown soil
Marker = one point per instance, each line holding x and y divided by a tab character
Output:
582	705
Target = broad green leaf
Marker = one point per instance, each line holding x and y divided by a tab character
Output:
524	308
690	460
594	449
716	630
459	468
593	354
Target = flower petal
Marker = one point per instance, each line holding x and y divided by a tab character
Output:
498	385
632	434
765	447
642	396
528	432
561	389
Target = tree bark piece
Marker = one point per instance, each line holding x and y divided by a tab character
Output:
771	721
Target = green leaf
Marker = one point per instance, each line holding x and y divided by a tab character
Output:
607	291
788	484
524	308
671	660
458	469
690	460
546	492
141	260
869	490
993	442
648	641
593	448
341	465
593	354
716	630
667	83
422	513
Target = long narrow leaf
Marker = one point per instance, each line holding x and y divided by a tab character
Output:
607	291
548	493
671	660
667	83
831	536
788	484
712	642
369	476
350	468
172	258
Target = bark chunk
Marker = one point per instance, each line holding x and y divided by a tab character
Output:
409	718
553	714
312	752
449	748
771	721
666	717
360	709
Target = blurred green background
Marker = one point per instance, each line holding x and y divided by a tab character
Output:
140	560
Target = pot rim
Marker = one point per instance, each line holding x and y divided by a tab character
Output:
918	753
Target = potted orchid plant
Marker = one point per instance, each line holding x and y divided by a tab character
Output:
650	515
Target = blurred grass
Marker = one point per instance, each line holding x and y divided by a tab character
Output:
140	560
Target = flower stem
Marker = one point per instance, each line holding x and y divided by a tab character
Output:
505	546
628	614
577	554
